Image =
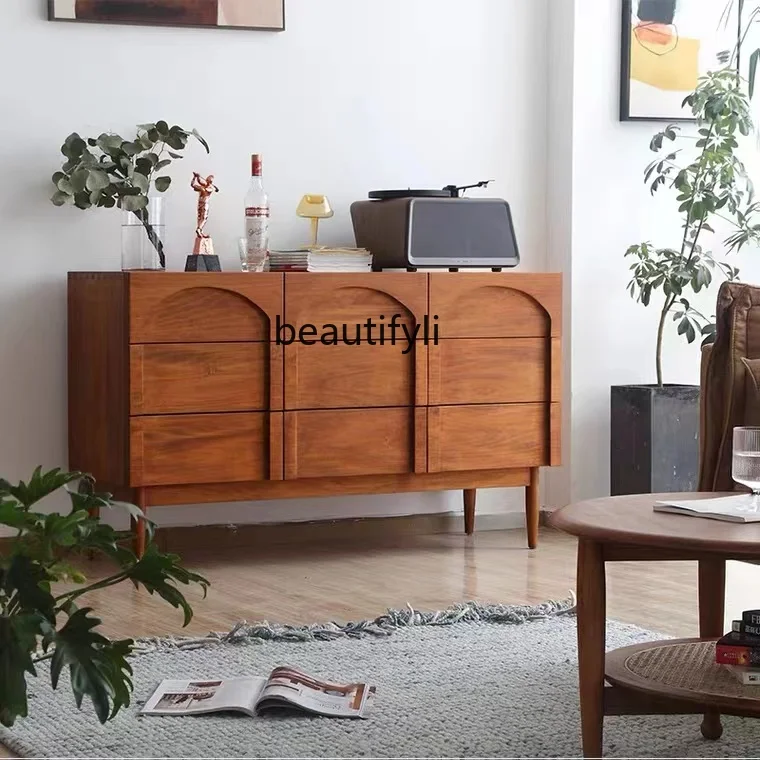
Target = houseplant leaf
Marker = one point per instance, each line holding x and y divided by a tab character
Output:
98	667
18	639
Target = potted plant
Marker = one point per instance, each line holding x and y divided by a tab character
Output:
110	171
40	621
654	428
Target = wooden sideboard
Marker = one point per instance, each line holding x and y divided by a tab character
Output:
181	393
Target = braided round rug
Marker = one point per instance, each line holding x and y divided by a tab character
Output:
471	681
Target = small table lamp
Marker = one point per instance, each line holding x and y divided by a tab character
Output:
315	207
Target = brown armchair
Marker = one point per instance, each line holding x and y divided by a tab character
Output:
730	382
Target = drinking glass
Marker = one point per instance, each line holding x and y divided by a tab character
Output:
251	263
745	465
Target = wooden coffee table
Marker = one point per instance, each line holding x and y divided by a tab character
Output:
624	529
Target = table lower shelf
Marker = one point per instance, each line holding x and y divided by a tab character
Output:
674	677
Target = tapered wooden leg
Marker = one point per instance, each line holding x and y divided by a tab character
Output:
470	494
532	509
712	603
139	525
591	639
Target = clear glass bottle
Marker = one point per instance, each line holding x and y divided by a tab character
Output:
256	220
142	237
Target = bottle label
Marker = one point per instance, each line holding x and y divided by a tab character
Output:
257	229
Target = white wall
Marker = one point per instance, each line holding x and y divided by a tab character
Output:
409	92
612	337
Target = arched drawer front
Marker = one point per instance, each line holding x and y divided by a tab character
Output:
352	299
352	340
507	305
167	307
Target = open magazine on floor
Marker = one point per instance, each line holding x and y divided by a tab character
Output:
284	688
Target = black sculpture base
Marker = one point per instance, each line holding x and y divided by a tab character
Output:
203	263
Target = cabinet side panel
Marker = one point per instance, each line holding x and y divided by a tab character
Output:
98	376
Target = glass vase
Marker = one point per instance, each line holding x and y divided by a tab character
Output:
142	237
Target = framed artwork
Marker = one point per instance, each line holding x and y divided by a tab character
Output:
224	14
666	45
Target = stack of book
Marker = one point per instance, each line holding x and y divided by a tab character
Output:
739	649
340	260
289	261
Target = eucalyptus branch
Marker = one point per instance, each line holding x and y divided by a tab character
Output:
109	171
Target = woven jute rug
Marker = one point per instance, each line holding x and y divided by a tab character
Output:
471	681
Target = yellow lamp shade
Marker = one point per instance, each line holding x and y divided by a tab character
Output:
315	207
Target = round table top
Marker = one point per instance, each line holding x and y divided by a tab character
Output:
632	521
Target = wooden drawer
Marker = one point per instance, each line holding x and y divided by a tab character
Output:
507	305
203	307
488	437
352	442
340	377
490	371
170	378
205	448
324	300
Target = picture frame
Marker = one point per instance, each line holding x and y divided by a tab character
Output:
267	15
665	47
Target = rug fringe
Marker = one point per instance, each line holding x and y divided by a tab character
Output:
384	625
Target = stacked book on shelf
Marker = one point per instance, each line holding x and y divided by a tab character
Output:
289	261
340	260
739	649
321	259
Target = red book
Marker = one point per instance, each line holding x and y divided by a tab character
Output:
734	649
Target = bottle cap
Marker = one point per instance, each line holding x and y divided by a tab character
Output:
256	164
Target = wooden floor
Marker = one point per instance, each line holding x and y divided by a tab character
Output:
305	582
348	580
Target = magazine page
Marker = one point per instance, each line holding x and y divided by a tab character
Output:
287	687
196	697
739	508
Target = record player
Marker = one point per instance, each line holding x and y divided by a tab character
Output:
412	229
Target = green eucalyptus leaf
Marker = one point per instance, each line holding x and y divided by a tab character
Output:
134	202
79	180
201	140
163	183
82	200
176	141
97	180
162	127
140	181
162	164
65	186
61	199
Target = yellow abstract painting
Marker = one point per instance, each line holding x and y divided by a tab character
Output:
665	65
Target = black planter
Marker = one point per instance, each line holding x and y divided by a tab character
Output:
654	438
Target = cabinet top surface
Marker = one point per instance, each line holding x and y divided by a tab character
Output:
249	275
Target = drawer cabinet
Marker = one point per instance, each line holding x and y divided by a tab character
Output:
204	387
354	442
203	448
488	437
175	378
489	371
